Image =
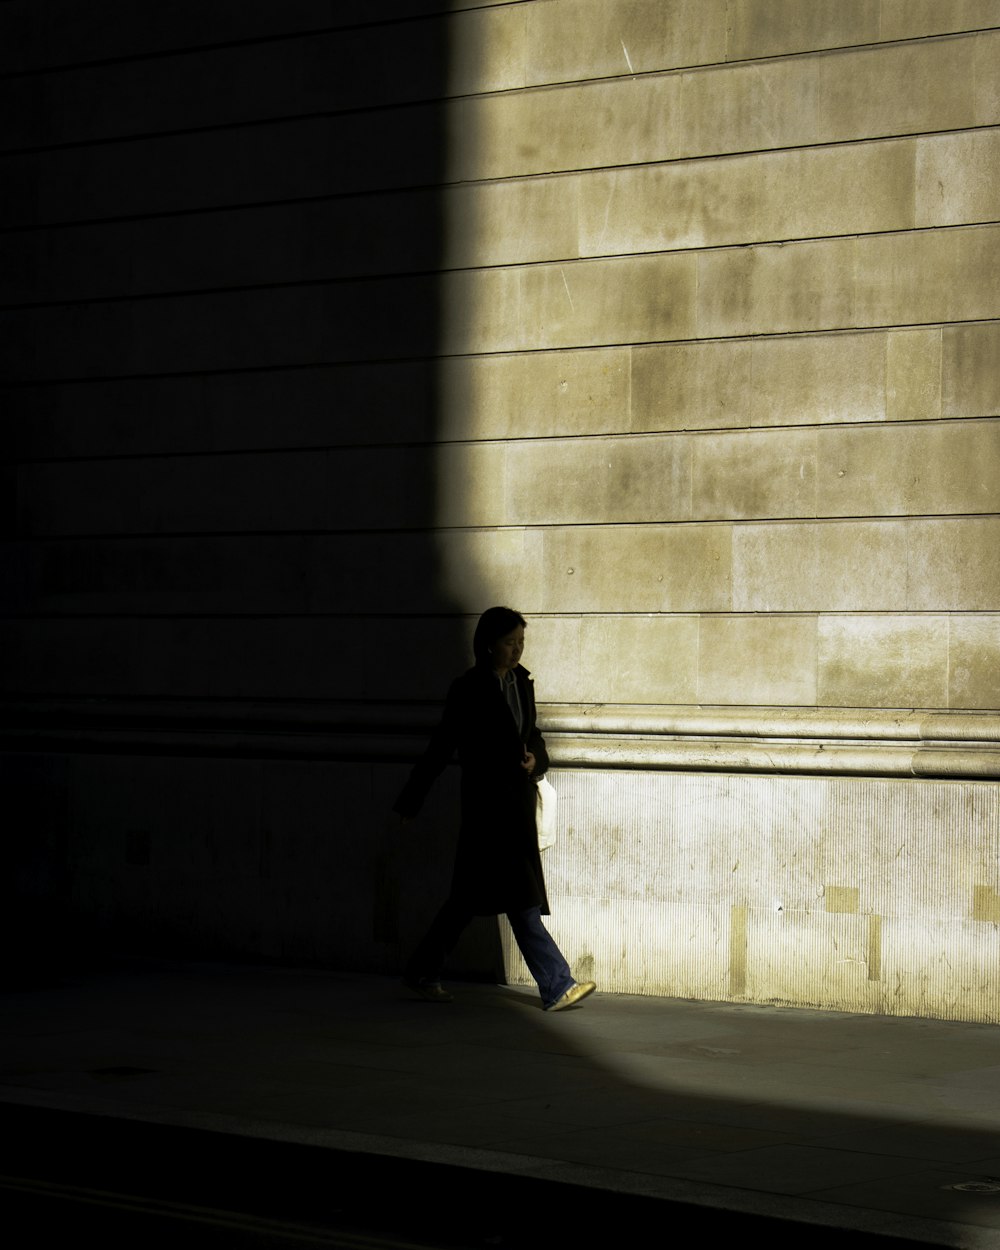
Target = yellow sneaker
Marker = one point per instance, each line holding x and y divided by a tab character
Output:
575	994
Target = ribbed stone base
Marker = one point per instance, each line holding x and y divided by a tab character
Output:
849	893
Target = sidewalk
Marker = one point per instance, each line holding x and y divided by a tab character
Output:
867	1124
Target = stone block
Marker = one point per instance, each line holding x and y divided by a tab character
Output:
483	566
478	310
502	223
753	474
572	126
552	652
970	379
953	563
745	199
929	276
587	481
776	288
814	379
640	659
470	484
615	658
851	95
485	49
883	661
986	86
535	394
914	19
578	304
974	674
913	375
856	188
956	180
757	660
654	207
649	568
819	567
682	386
602	302
630	36
759	28
903	470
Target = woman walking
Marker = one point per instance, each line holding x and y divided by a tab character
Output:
489	717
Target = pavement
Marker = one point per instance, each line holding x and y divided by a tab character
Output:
354	1114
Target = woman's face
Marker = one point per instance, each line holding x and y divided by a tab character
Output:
506	651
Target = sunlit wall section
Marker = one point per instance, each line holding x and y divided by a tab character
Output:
719	407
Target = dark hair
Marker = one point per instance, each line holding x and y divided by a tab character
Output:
493	624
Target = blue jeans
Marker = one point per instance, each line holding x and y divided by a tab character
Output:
544	959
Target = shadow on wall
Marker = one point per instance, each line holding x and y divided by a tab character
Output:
220	357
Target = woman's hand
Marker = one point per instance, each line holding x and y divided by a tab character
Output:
528	763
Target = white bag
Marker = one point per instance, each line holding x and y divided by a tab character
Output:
545	814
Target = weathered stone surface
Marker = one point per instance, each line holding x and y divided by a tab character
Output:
913	375
774	289
636	478
485	566
882	661
855	94
902	470
741	199
748	474
776	27
974	674
650	568
582	303
956	178
678	386
953	564
937	275
828	567
817	379
630	36
910	19
757	660
653	657
536	394
471	484
970	379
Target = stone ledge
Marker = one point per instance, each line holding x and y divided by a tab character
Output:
747	740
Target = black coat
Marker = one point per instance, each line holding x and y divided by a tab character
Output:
497	866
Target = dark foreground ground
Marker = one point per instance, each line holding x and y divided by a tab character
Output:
230	1106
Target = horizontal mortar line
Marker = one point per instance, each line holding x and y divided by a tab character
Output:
203	616
225	45
15	384
431	532
598	437
440	101
460	184
405	275
165	701
444	186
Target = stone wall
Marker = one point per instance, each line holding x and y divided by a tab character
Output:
672	322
